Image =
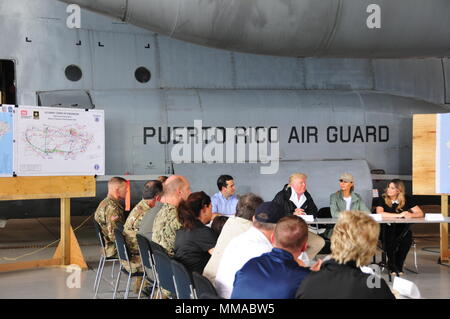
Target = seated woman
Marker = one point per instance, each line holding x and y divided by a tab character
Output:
353	244
194	242
397	237
346	198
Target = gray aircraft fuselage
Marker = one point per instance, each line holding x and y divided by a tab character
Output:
328	112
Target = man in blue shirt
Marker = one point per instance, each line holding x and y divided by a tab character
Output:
276	274
225	201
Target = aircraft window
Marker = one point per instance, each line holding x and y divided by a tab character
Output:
73	73
142	74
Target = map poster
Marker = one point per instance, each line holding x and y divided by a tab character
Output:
6	140
443	154
58	142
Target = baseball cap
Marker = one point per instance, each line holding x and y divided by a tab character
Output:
346	177
269	212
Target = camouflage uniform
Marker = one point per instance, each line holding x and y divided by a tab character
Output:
108	214
130	230
165	227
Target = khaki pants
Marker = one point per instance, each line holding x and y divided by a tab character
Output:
315	245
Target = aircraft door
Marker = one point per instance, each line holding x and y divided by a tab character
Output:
7	82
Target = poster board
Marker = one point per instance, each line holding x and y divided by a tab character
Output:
50	141
428	143
424	154
58	141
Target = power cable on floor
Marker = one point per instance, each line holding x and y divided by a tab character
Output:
43	248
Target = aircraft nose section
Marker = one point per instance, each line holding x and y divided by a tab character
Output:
112	8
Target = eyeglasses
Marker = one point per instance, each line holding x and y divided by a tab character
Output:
343	181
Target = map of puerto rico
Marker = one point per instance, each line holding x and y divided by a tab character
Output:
58	141
66	142
6	142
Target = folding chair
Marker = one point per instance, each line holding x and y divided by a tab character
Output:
148	262
182	281
164	270
203	288
123	257
103	259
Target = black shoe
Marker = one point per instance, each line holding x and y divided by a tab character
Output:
393	270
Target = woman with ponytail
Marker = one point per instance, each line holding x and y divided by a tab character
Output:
194	242
398	237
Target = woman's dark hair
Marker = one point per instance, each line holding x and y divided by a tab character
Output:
189	210
217	224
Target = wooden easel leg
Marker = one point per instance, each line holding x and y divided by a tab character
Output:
444	230
68	250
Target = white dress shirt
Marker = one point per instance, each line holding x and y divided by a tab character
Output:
232	228
297	201
252	243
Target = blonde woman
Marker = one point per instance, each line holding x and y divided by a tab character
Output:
345	198
398	237
353	244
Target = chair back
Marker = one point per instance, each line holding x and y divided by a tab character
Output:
203	286
324	212
120	245
144	251
182	280
164	270
156	247
120	226
101	239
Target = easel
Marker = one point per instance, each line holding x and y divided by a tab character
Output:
424	170
63	187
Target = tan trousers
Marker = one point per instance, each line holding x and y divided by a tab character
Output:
315	245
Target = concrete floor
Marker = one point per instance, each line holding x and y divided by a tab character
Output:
24	236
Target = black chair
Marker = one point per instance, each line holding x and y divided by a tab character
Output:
164	271
122	251
147	262
325	212
103	259
182	281
204	289
120	226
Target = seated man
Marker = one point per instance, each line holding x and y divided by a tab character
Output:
253	243
166	222
224	202
110	213
277	274
150	195
295	199
233	227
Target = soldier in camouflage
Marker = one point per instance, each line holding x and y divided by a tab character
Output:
150	195
110	213
176	189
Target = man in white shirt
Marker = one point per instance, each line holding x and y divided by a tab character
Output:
242	222
295	199
253	243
